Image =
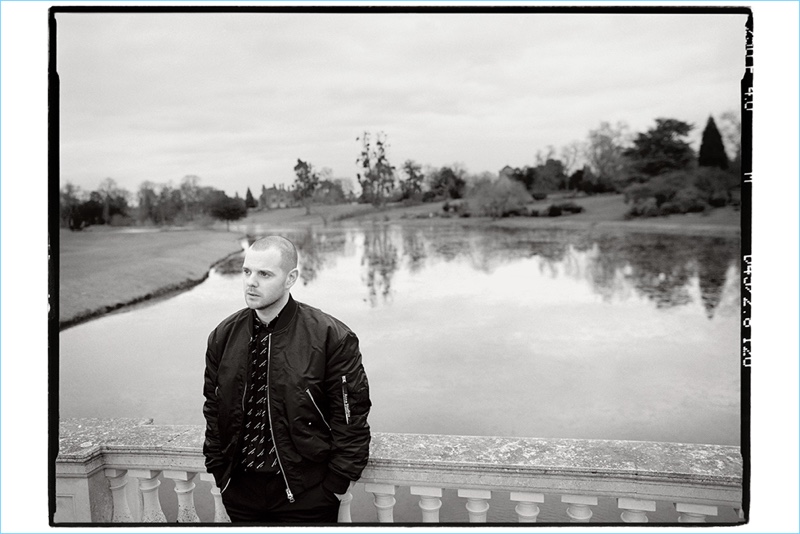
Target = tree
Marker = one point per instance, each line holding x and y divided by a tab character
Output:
549	176
329	192
570	154
113	198
604	152
191	196
222	207
346	184
148	201
249	201
377	177
69	202
445	183
412	185
712	150
305	183
661	149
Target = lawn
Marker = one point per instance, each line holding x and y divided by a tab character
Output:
101	269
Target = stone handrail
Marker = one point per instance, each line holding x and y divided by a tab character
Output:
97	458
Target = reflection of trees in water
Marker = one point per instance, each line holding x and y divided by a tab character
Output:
662	267
414	249
713	267
659	267
314	248
231	266
311	260
381	260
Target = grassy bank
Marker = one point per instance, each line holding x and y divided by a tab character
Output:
104	269
602	213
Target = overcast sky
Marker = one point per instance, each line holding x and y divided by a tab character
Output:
237	98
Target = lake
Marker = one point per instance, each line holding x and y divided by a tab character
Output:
538	333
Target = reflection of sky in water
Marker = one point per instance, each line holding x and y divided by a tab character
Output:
483	334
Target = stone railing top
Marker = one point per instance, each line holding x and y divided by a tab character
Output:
80	439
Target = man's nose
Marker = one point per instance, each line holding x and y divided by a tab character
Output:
251	279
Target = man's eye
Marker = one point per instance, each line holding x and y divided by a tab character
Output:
263	274
246	271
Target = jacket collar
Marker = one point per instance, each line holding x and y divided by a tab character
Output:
285	317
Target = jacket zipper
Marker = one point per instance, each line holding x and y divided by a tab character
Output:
344	400
289	494
317	407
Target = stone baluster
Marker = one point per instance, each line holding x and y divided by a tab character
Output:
184	488
635	510
220	514
477	503
117	481
430	500
694	513
148	487
384	501
578	509
527	509
344	507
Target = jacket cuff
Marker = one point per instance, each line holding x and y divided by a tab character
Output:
336	483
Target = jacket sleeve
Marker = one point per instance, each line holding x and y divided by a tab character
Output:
347	390
211	446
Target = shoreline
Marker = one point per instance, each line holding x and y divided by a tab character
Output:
152	297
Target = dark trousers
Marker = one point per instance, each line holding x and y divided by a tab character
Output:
261	498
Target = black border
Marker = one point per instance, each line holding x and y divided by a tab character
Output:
746	110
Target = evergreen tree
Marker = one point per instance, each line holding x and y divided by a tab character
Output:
249	201
661	149
712	149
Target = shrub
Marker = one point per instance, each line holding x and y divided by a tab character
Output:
539	195
553	211
495	198
429	196
533	213
516	212
668	208
643	208
690	200
570	207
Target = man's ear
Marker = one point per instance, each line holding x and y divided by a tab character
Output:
291	278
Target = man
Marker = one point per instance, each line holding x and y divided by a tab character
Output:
286	400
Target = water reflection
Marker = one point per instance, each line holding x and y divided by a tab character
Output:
381	261
468	331
660	268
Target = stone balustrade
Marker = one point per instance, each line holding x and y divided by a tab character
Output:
110	471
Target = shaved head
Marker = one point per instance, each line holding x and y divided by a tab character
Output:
285	247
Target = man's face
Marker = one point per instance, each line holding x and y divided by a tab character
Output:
264	278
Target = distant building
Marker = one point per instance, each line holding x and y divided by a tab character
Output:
276	197
507	171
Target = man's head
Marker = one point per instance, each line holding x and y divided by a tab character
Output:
269	272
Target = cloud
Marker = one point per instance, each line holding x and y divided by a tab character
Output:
243	95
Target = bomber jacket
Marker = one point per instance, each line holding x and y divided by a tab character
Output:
317	401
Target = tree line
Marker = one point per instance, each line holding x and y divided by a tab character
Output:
657	170
155	203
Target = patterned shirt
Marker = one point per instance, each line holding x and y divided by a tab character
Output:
258	451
